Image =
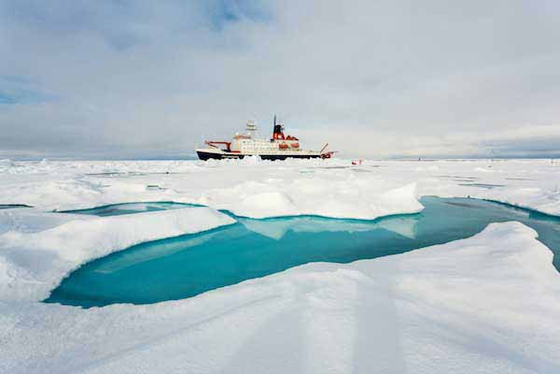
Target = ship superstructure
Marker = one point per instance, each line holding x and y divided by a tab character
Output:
278	147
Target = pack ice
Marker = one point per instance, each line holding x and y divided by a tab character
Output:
485	304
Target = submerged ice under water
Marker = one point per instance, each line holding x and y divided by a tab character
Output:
130	208
188	265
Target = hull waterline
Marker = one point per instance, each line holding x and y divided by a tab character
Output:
204	156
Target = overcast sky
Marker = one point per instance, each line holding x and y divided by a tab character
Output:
374	78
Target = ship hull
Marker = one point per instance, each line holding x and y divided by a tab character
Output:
204	156
284	157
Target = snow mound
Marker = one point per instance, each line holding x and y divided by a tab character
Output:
323	195
267	204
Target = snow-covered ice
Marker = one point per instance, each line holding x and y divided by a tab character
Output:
263	189
489	303
33	262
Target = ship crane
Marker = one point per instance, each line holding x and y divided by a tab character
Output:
213	144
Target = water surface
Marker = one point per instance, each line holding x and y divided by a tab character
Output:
188	265
129	208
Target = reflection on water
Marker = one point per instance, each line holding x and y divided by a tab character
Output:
185	266
277	228
273	228
165	248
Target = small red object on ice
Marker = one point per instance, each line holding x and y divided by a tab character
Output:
358	162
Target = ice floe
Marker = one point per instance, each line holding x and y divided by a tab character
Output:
489	303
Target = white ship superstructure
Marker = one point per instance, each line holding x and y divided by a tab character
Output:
279	147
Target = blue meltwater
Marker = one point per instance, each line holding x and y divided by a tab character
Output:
188	265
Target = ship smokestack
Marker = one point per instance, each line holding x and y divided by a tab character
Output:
278	132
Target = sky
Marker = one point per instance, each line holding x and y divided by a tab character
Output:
376	78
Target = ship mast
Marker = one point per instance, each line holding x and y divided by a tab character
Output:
251	128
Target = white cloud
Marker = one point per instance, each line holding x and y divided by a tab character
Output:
387	78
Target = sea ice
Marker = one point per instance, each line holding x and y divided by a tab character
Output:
489	303
485	304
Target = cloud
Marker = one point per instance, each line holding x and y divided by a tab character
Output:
528	141
382	78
